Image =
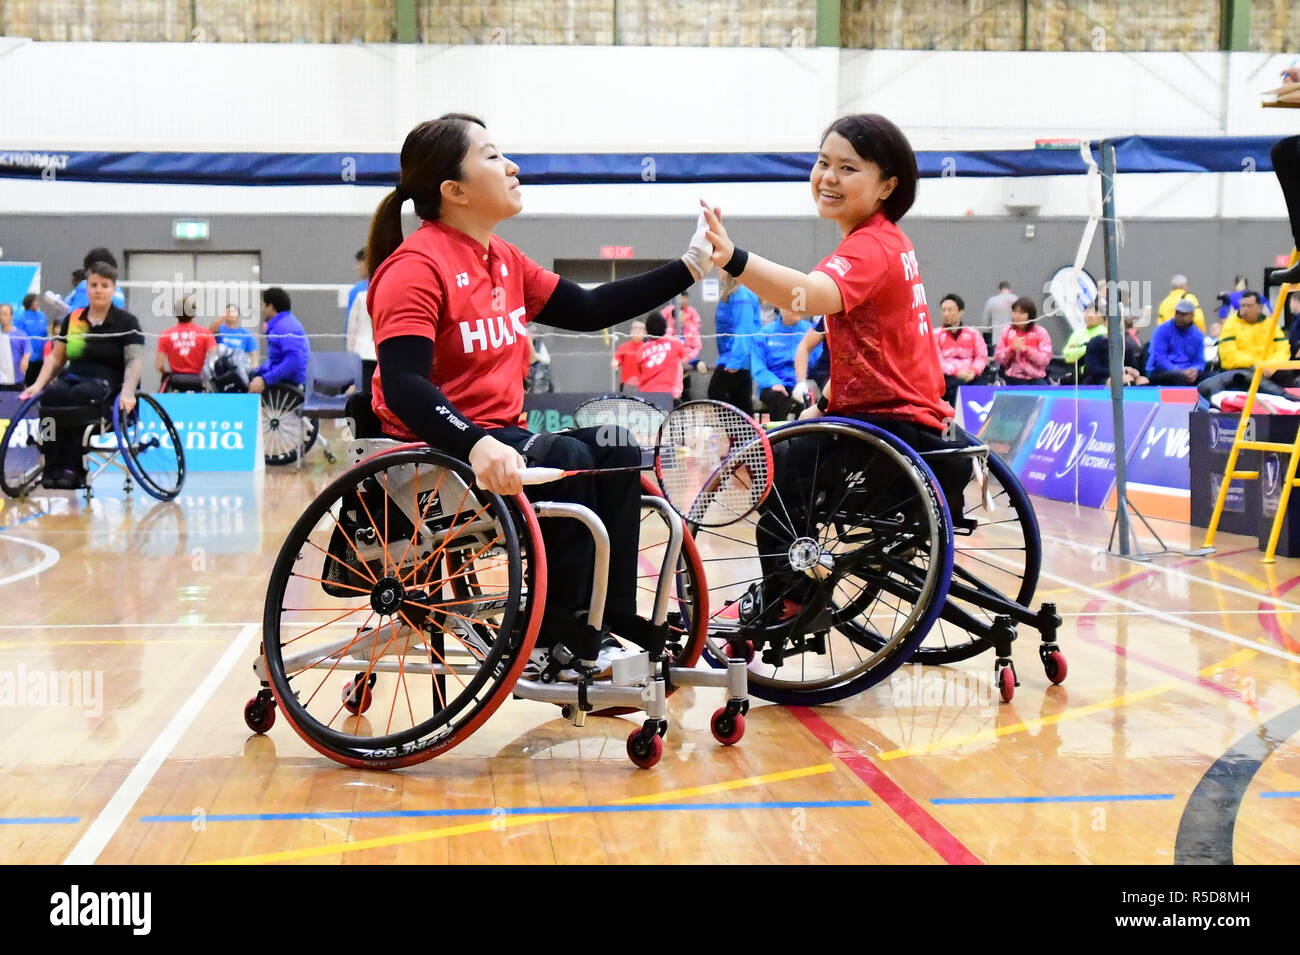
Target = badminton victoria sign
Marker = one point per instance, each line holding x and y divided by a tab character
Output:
218	432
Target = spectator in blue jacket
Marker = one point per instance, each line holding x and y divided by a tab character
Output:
229	330
359	288
15	351
287	347
772	362
738	320
1177	354
33	323
78	298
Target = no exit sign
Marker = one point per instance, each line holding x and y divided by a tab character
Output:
616	251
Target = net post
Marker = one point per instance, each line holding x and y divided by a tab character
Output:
1116	336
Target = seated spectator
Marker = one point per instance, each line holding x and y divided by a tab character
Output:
628	356
1025	348
1244	342
33	323
184	347
772	362
229	330
1177	349
1177	294
659	362
287	347
1093	325
1096	361
15	351
963	355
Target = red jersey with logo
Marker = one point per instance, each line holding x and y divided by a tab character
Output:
883	356
628	356
473	304
186	346
661	365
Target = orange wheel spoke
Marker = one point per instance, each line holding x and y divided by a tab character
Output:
375	527
473	557
360	590
447	537
363	568
285	643
415	500
473	650
348	538
437	551
449	667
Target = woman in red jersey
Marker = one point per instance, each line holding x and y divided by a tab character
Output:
884	365
449	304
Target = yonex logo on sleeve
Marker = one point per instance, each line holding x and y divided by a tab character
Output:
839	264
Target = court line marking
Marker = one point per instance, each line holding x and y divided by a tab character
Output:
1260	645
238	625
38	820
1181	613
1064	716
931	830
51	557
105	826
1023	800
509	822
575	810
19	644
1173	572
1285	794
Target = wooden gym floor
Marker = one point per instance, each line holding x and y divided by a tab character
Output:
1174	739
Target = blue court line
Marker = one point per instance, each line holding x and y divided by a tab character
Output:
508	811
1293	794
37	820
29	517
1005	800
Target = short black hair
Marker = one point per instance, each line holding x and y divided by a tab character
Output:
875	139
1026	304
78	276
103	270
30	299
98	254
655	325
956	300
1004	286
361	254
277	298
1255	295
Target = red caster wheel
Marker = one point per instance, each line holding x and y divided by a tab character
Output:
727	728
259	714
644	749
1007	684
357	701
1055	667
736	650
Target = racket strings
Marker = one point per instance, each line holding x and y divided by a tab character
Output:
714	463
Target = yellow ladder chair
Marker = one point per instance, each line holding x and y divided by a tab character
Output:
1239	442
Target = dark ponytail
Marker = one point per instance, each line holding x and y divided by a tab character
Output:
432	153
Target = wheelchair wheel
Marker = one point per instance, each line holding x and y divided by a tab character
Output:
841	573
283	431
401	610
997	551
21	460
151	449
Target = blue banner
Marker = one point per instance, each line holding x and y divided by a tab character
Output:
1133	154
218	432
1161	455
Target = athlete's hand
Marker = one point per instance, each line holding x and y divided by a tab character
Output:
812	411
800	393
723	247
699	252
1291	74
126	401
496	466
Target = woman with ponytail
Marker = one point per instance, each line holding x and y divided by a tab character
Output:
449	305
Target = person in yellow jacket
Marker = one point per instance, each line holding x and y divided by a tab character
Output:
1176	294
1243	341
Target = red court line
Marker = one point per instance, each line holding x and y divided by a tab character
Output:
1270	622
908	809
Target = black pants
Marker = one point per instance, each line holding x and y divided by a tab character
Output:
616	500
70	404
1286	164
33	370
1026	382
778	405
1174	378
367	373
818	476
734	387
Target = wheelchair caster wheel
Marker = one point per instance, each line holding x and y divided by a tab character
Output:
644	749
356	694
1007	684
259	714
1055	667
728	728
736	650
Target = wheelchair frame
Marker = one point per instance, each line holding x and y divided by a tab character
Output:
638	682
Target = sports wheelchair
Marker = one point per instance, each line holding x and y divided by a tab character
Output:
143	445
285	433
405	603
856	564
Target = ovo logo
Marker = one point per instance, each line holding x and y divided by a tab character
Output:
1054	435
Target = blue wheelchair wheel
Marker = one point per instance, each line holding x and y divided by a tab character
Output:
150	447
841	573
21	460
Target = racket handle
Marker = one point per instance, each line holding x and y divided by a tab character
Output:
540	475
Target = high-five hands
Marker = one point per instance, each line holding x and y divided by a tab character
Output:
723	247
699	252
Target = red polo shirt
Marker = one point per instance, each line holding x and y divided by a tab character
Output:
661	365
883	357
473	304
186	346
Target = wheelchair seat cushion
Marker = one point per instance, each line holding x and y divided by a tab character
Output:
180	382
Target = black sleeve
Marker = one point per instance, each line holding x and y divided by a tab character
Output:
1096	359
587	310
404	364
